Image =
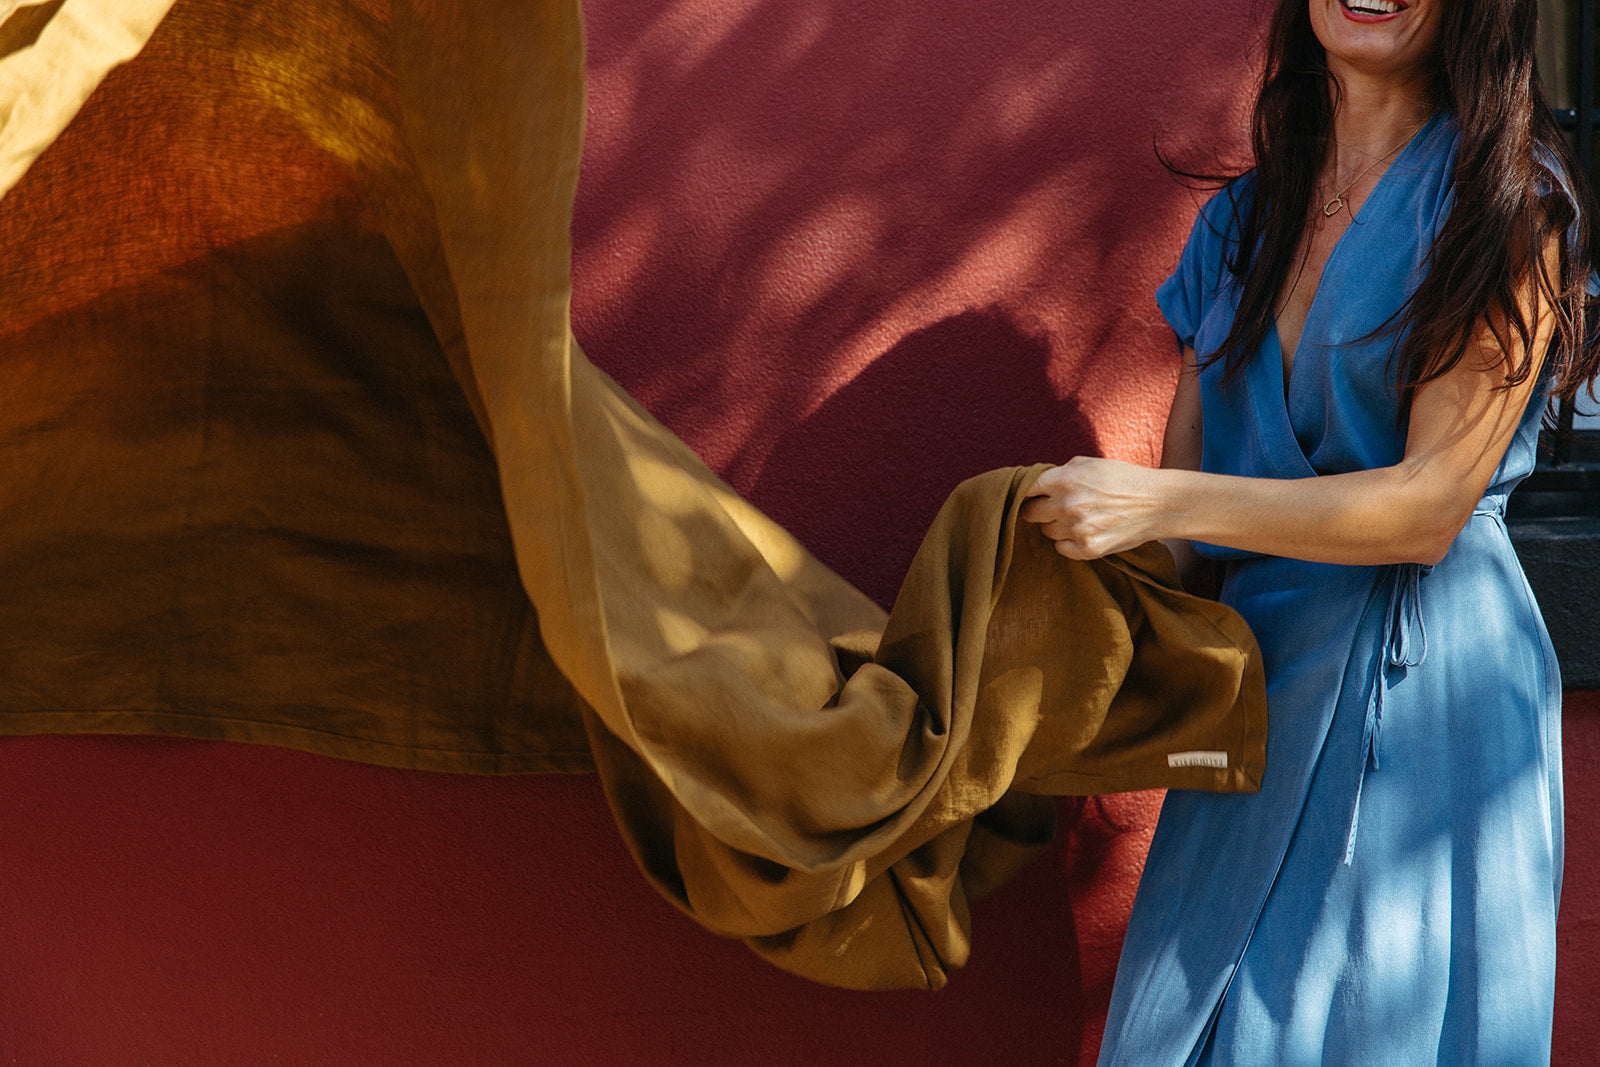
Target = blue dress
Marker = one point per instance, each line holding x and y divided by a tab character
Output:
1389	897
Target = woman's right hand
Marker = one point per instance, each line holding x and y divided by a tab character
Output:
1094	507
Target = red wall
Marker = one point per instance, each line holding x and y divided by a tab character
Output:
1578	934
855	252
852	253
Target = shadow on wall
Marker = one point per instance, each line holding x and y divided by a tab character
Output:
965	395
810	224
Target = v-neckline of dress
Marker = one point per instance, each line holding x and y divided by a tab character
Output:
1278	388
1356	218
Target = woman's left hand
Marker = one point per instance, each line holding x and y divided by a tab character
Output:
1093	507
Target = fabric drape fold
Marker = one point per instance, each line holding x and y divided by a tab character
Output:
756	792
786	764
48	68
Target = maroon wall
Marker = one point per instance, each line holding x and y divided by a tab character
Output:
852	253
1578	935
855	252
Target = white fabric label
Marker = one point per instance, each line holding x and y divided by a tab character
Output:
1197	759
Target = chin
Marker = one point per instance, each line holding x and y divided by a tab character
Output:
1377	37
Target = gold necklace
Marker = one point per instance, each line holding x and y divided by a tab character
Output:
1333	206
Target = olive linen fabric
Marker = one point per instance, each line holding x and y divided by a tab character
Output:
52	55
244	495
1004	673
301	451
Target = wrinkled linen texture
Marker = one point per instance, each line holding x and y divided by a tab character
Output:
1389	897
300	450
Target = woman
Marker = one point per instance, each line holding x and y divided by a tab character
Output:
1372	320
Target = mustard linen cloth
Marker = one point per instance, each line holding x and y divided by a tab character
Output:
294	409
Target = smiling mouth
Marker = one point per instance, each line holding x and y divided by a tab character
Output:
1376	8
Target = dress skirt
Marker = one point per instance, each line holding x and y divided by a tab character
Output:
1390	895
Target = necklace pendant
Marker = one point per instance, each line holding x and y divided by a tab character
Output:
1331	208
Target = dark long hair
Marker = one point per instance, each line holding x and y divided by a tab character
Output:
1507	204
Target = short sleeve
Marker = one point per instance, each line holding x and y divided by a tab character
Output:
1185	297
1557	179
1555	176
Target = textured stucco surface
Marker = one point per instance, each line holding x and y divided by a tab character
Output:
853	253
1577	1031
179	902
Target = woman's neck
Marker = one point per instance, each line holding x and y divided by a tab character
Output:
1373	116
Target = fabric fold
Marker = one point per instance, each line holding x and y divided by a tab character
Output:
757	794
786	763
52	65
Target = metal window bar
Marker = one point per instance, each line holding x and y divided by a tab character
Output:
1580	120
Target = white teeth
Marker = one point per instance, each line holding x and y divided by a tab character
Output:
1373	7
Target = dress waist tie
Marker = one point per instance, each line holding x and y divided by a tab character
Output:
1405	644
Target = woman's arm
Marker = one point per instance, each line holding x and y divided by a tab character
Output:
1460	426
